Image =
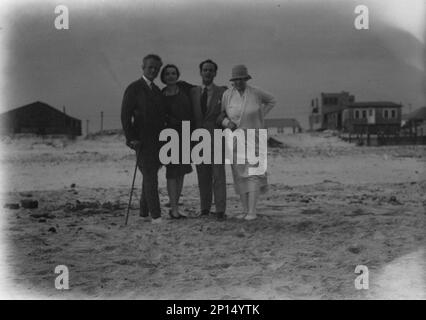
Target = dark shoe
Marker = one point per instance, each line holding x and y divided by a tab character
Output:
143	212
205	213
220	216
202	213
183	215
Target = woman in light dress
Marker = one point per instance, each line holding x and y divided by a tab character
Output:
244	107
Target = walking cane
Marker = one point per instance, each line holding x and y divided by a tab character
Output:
133	183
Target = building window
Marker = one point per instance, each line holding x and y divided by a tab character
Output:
364	114
386	114
393	113
370	112
356	114
330	101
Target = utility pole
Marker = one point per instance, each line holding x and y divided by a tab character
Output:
102	121
65	118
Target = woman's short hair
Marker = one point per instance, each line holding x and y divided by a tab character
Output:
163	72
208	61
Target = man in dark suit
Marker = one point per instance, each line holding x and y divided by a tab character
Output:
143	117
206	103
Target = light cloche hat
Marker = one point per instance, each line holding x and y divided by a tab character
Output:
240	72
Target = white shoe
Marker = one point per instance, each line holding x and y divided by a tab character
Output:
249	216
241	216
157	221
183	214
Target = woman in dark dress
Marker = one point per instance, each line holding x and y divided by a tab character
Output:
178	108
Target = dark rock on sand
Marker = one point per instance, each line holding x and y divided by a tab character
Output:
81	205
354	250
13	206
43	215
25	194
394	200
29	204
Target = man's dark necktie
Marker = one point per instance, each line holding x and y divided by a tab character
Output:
203	102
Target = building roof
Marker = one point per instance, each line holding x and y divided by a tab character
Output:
376	104
334	94
282	123
36	104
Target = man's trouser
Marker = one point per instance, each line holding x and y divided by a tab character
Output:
212	180
149	201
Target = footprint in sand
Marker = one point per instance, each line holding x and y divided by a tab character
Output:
311	211
304	225
125	262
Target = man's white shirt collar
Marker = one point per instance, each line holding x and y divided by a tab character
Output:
209	87
148	82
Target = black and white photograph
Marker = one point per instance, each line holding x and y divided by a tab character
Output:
213	150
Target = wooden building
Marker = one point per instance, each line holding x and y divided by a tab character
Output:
39	118
282	125
327	113
376	117
340	111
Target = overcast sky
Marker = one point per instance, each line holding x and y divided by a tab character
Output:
293	49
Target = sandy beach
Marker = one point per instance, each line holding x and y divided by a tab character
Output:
330	207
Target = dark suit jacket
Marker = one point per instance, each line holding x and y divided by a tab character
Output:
213	109
143	115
